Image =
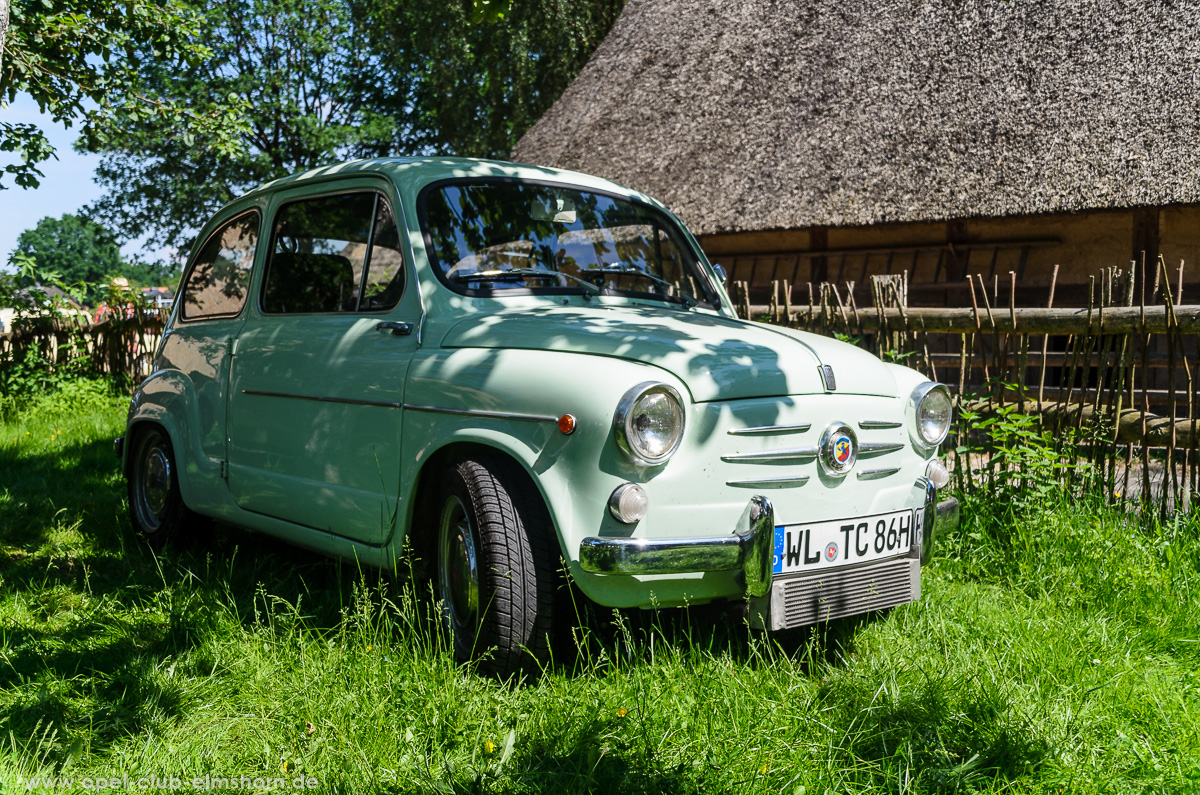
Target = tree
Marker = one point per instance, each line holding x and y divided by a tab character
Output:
422	77
310	98
4	5
476	88
80	253
80	61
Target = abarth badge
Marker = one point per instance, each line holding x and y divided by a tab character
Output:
839	449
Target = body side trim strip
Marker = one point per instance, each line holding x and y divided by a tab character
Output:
497	415
880	424
872	474
500	415
323	399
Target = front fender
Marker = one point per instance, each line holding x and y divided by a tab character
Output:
510	400
907	379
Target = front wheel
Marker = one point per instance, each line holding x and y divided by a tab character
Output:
156	508
496	566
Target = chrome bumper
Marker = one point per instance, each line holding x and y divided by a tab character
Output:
749	548
947	517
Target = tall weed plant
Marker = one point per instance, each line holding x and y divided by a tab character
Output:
1035	517
1010	460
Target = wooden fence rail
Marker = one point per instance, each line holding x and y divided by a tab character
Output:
1027	320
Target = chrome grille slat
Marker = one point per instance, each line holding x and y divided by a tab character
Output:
874	474
878	448
799	480
770	429
878	424
774	455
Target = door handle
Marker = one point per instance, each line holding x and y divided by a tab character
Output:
397	329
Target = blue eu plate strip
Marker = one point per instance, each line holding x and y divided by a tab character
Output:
777	563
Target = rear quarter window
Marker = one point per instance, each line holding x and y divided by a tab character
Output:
218	281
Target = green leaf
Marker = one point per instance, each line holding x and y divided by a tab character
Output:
509	743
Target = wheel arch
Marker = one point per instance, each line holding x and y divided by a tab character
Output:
163	400
422	492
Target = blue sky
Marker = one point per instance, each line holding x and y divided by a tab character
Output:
66	188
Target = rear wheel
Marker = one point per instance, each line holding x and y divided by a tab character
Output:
156	508
496	566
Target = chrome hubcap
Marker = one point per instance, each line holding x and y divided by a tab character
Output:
152	487
157	483
458	580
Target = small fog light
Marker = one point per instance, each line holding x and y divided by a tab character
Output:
937	473
628	503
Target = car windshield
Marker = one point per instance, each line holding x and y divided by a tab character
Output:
497	238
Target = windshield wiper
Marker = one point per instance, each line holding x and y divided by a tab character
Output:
630	270
522	273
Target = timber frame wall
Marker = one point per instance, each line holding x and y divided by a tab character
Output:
937	257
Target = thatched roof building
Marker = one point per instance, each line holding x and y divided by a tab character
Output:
1060	132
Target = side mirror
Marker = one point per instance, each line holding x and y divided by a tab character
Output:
720	272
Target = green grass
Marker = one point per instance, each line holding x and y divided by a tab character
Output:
1054	651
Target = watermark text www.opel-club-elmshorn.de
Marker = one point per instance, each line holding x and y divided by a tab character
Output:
206	783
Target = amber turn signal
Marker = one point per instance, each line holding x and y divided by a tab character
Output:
566	423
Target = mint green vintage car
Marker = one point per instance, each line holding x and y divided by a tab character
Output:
516	371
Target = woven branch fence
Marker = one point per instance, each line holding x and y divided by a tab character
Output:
120	344
1112	385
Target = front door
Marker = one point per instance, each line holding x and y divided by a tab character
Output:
318	370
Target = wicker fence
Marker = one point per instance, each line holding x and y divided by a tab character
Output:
118	344
1112	385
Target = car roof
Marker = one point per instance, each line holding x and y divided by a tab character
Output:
416	172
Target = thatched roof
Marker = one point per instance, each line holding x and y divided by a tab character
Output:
748	114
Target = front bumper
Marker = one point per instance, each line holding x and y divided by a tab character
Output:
749	548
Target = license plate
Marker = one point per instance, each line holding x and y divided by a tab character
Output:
840	542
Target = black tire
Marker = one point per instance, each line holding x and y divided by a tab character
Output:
156	508
496	568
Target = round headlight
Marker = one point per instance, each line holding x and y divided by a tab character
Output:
932	410
649	423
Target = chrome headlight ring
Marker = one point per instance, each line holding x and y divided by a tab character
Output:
628	416
930	411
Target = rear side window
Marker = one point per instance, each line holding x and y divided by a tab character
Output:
334	254
217	283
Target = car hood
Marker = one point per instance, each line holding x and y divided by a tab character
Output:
718	358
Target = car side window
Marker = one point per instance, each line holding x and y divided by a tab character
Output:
219	278
336	253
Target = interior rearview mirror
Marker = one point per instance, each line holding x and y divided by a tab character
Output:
553	208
